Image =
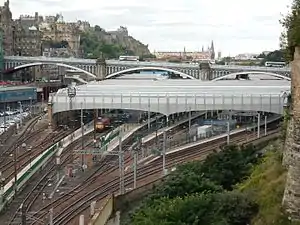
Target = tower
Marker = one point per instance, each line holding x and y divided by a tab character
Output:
212	50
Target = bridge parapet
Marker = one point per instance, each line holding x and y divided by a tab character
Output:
102	69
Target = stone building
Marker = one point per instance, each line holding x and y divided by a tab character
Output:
58	33
6	23
208	54
27	36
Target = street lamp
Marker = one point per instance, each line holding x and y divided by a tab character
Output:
15	166
30	106
71	94
29	149
8	108
21	110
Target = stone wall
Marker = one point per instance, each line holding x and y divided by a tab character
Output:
291	198
288	143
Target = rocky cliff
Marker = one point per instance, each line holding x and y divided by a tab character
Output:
97	41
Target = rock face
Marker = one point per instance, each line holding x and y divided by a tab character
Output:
121	38
291	198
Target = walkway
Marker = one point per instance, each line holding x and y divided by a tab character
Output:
126	131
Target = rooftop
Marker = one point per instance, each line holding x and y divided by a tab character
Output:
15	88
171	87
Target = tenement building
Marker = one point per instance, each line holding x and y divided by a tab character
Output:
6	23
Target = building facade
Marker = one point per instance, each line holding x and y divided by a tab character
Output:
208	54
6	23
1	51
27	38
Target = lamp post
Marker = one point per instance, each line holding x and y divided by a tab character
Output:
258	125
30	106
82	134
71	94
2	184
29	148
8	108
21	110
15	166
228	133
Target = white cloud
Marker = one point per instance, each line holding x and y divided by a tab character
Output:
235	26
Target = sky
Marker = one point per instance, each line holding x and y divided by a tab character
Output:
170	25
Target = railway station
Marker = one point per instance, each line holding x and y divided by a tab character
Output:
117	128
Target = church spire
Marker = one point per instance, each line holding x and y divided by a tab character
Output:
212	47
212	50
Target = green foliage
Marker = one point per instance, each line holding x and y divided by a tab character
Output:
94	48
266	183
229	166
230	208
290	38
195	193
183	183
275	56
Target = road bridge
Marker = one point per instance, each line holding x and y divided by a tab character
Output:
172	96
103	68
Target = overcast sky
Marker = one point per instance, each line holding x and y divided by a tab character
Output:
235	26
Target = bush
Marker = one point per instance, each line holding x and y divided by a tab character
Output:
214	208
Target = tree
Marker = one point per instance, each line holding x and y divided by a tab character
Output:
93	47
196	192
228	208
290	37
275	56
229	166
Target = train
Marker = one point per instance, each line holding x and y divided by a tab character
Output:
102	124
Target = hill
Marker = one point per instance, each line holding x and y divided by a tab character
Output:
97	42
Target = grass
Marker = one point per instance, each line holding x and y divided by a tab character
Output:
266	185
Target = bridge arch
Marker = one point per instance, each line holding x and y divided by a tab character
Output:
254	73
123	72
49	63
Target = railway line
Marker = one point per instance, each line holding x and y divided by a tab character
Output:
35	189
105	173
108	180
24	157
145	174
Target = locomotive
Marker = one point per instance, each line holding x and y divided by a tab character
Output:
102	123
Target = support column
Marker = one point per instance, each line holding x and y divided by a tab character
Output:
101	69
205	71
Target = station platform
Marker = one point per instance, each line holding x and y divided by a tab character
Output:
166	129
127	130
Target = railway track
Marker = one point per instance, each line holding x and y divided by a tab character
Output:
24	157
144	175
107	171
35	189
67	206
25	135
